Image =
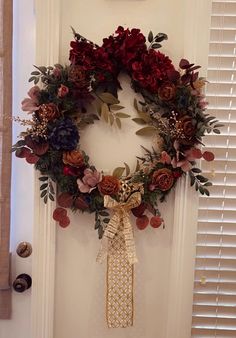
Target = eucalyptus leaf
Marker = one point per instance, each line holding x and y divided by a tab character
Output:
122	115
150	36
105	111
146	131
44	186
127	169
118	122
139	120
116	107
118	172
109	98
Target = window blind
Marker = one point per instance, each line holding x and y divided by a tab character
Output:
214	301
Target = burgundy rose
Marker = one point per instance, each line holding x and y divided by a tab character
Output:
109	185
74	158
48	111
186	125
162	179
62	91
167	91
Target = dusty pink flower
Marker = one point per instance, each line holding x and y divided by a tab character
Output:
62	91
89	181
31	104
165	158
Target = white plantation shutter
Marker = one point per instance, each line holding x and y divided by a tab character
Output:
214	303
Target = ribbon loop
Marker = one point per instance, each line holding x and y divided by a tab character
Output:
120	220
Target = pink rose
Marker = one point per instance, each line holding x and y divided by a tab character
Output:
89	181
31	104
62	91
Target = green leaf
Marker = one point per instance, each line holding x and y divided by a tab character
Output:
112	119
137	166
45	199
150	36
118	122
196	186
208	184
196	170
156	45
116	107
43	193
51	197
105	111
136	105
100	232
97	224
43	178
35	73
122	115
127	169
109	98
146	131
139	121
216	131
118	172
201	178
106	220
192	180
44	186
207	192
103	213
32	78
202	190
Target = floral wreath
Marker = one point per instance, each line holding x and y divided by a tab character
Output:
71	97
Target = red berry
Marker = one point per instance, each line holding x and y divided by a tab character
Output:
156	221
208	156
59	213
64	222
142	222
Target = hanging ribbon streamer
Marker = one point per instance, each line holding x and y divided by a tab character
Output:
119	248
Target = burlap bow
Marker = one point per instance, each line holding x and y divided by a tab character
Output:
120	221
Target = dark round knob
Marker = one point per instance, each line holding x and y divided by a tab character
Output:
22	283
24	249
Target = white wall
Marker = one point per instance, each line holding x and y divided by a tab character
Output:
80	281
22	173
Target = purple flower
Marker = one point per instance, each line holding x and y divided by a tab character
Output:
64	135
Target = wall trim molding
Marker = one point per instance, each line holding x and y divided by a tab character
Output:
44	232
196	45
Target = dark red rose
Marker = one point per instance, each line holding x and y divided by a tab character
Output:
109	185
32	158
151	70
162	179
167	91
74	158
142	222
185	124
48	111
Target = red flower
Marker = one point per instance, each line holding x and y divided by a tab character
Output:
151	71
162	179
109	185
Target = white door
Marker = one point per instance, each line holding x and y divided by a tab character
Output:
79	306
22	174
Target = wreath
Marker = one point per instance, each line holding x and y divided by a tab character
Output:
72	97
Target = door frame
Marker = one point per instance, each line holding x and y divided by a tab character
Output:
186	201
